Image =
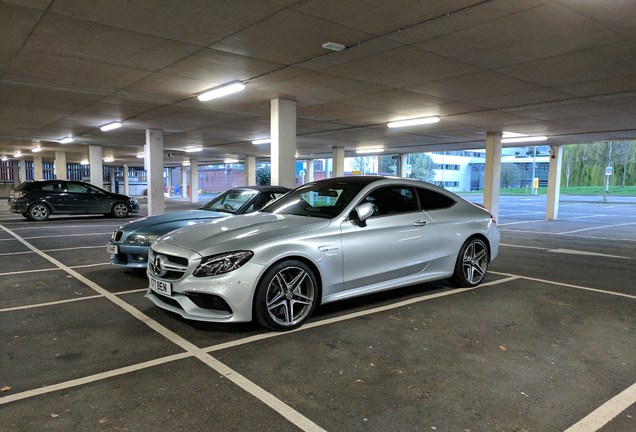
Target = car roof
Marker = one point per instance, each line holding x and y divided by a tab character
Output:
261	188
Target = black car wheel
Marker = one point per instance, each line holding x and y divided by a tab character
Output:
120	210
38	212
286	296
472	263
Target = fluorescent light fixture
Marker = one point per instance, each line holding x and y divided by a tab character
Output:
37	149
17	154
369	150
333	46
110	126
523	139
66	140
230	161
4	158
109	159
193	149
141	155
84	162
512	134
186	163
224	90
262	141
413	122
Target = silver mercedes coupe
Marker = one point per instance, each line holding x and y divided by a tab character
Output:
325	241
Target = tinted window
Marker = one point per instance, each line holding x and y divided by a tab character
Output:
53	187
431	200
392	200
78	188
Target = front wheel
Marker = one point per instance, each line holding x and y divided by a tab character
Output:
38	212
286	296
120	210
472	263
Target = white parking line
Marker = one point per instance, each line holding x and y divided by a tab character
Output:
598	227
65	235
56	227
570	235
566	251
606	412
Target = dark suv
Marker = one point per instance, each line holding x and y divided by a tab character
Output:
37	200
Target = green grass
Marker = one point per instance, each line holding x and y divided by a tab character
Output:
576	190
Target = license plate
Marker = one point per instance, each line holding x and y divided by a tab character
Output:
160	286
112	249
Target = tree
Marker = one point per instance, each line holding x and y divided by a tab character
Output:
387	165
264	175
422	167
510	175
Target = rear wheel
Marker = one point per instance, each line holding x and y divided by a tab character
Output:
120	210
38	212
472	263
286	296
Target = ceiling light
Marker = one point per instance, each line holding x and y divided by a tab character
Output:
110	126
84	162
523	139
66	140
262	141
17	154
4	158
193	149
512	134
221	91
413	122
333	46
186	163
37	149
109	159
141	155
369	150
230	161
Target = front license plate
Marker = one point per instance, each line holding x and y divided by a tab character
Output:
161	287
112	249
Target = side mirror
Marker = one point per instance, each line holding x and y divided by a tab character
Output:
365	211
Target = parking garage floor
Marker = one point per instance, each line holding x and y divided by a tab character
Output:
548	343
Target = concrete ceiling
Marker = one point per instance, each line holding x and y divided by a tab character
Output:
566	69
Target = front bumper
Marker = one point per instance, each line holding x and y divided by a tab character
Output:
224	298
131	256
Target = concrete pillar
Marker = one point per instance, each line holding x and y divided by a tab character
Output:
309	174
112	174
250	170
22	171
16	172
126	181
283	146
402	165
338	158
492	173
96	165
38	173
154	167
60	166
194	180
184	180
554	182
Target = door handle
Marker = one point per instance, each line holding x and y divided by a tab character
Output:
420	223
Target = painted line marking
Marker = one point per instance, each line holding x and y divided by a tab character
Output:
570	235
54	250
606	412
67	235
286	411
566	251
53	303
598	227
63	226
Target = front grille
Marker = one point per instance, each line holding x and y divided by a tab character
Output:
118	235
209	301
168	267
168	300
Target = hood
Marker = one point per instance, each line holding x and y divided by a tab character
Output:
239	232
163	223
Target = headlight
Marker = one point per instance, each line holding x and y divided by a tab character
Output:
222	263
141	239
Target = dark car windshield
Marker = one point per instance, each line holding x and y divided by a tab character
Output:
230	201
325	199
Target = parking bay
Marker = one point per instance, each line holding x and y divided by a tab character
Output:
546	341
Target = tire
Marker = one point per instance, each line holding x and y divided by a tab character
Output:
38	212
120	210
286	296
472	263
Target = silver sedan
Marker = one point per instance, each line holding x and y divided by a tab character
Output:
325	241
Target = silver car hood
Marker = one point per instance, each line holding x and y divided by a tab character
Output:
238	232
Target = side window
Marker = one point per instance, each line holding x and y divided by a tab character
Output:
431	200
77	188
393	200
53	187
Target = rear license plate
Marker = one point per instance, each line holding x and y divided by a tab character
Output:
112	249
161	287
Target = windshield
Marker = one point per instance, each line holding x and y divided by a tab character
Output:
325	199
230	201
